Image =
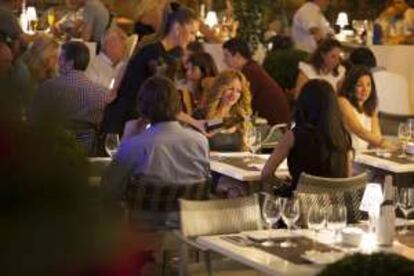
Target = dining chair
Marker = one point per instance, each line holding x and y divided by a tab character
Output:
153	206
389	122
213	217
273	135
324	192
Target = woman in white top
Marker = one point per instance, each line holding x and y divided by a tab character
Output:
358	102
324	64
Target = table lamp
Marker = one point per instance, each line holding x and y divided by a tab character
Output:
211	19
31	15
342	21
371	201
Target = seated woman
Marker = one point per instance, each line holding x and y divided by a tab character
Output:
200	70
358	103
229	98
318	144
324	64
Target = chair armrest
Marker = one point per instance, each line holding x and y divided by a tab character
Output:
188	241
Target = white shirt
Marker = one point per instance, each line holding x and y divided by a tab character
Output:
101	71
310	73
357	143
306	17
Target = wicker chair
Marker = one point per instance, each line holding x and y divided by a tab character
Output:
325	191
206	218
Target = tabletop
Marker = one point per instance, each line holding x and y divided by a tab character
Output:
392	162
242	166
271	262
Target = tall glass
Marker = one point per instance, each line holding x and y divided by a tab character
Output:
111	143
404	135
290	215
271	211
336	218
253	141
316	218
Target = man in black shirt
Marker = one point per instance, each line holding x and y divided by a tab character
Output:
179	31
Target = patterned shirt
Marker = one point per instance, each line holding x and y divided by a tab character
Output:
75	97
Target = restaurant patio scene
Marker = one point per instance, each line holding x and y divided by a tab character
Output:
207	137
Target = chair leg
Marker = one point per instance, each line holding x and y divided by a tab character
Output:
207	260
183	269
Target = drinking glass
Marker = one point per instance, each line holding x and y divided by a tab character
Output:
111	143
290	214
316	218
405	201
271	211
253	141
336	219
404	135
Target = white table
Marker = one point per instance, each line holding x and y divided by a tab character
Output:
274	265
381	163
240	173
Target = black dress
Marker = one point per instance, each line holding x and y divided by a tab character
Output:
307	155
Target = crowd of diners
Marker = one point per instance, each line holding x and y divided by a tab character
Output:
159	98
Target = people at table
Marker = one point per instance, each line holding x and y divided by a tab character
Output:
108	66
392	88
310	26
358	102
200	72
268	98
72	97
180	31
318	144
166	151
324	64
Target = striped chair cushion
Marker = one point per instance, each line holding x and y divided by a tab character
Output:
149	195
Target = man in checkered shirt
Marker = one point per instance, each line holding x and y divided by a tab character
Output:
72	97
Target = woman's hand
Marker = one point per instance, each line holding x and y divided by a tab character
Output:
390	145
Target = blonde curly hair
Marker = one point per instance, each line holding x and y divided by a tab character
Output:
215	96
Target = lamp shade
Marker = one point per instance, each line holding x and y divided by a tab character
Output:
372	198
342	20
211	19
31	13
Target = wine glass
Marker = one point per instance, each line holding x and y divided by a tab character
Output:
111	143
336	219
271	211
290	214
253	140
404	135
316	219
405	201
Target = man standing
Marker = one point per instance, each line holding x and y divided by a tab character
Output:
268	98
180	30
310	25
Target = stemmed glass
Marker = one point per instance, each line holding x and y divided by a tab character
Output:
336	219
316	219
253	140
404	135
111	143
405	201
271	211
290	214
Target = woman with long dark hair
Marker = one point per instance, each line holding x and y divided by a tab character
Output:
318	144
358	103
324	64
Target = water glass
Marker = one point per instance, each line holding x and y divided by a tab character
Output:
316	218
405	202
336	218
111	143
271	211
404	135
290	215
254	139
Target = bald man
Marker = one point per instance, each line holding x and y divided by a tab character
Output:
106	68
